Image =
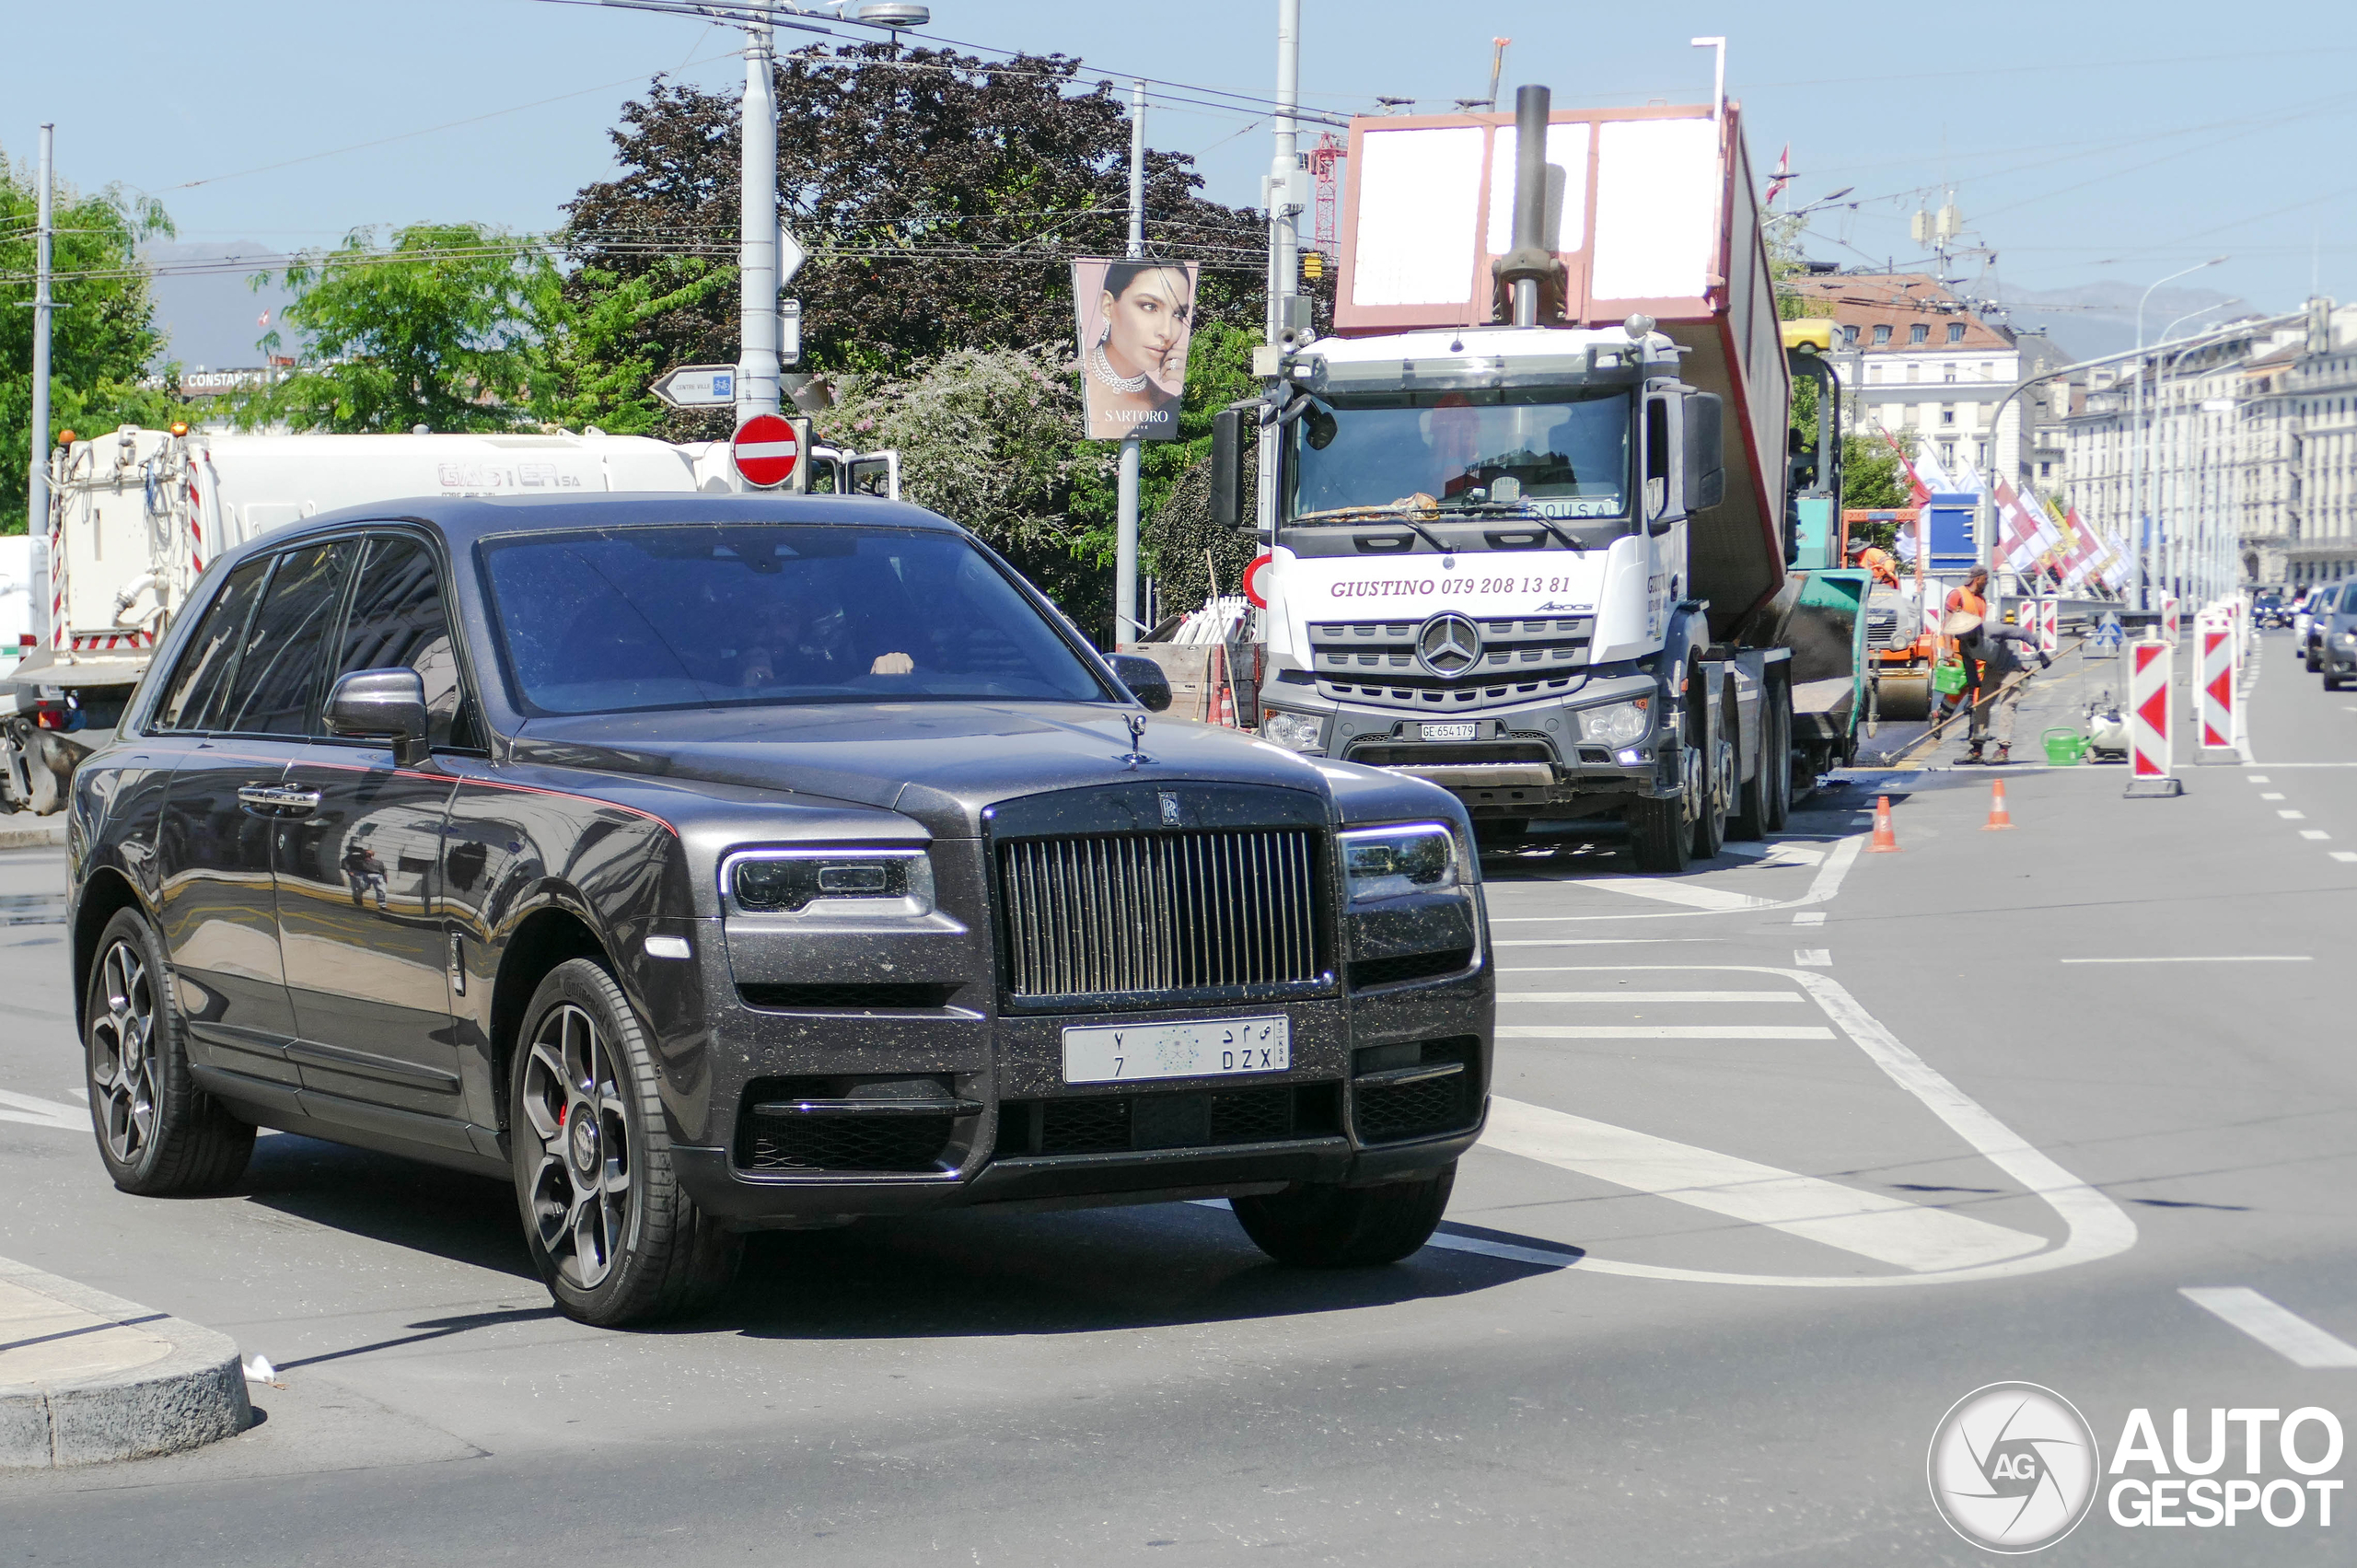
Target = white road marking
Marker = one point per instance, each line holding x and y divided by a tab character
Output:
2257	778
1809	917
1872	1224
1777	854
2271	795
2098	1227
2313	833
1694	894
2202	958
2292	815
1822	888
1649	996
2286	1332
43	1112
1814	958
2344	854
1662	1031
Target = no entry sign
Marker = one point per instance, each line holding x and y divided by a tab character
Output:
766	450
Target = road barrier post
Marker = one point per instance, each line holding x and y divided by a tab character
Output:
2050	625
2215	698
2149	758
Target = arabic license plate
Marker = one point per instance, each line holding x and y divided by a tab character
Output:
1106	1053
1451	731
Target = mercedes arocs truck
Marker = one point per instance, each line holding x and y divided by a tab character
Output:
1529	527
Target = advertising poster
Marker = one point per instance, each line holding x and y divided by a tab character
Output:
1135	319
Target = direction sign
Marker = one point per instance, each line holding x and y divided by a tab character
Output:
697	386
790	255
766	449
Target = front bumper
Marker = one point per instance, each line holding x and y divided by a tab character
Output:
1019	1135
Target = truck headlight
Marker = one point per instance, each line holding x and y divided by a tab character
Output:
787	881
1614	724
1390	863
1294	732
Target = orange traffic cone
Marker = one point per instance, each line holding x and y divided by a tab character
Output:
1999	818
1885	840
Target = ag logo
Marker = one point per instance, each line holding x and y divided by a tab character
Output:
1449	645
2014	1468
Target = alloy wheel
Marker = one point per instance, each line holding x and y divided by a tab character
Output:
125	1075
583	1186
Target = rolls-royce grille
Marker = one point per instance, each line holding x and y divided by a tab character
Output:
1163	911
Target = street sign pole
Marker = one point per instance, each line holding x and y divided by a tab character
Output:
757	243
1125	527
37	493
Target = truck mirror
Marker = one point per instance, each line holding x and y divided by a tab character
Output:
1228	426
1706	476
1146	680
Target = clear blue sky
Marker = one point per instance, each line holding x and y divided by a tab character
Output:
2086	142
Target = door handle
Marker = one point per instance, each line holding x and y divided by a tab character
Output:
280	800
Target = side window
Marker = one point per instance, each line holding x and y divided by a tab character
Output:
398	620
277	684
1656	456
205	666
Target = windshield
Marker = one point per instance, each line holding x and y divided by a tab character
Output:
1551	458
616	620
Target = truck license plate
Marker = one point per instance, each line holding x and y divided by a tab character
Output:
1105	1053
1451	731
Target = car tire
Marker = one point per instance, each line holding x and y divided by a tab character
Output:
159	1135
613	1237
2315	663
1324	1224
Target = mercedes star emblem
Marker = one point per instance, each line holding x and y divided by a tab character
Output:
1449	645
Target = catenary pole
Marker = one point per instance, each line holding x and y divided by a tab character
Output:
37	493
1284	262
756	356
1125	539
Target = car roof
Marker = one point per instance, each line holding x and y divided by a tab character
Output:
463	519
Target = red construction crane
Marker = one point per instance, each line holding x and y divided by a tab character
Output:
1325	163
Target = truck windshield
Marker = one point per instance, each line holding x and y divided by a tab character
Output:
1543	455
677	616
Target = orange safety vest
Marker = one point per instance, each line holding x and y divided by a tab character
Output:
1969	602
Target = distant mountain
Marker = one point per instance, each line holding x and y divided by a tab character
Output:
204	306
2097	318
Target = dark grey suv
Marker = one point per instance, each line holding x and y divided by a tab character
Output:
704	863
2332	633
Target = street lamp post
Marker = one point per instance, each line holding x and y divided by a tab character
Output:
757	352
2141	501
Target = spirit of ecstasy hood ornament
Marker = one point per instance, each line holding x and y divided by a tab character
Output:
1136	755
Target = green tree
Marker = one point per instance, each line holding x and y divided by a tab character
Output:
441	328
942	198
102	335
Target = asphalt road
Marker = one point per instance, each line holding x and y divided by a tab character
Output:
1792	1154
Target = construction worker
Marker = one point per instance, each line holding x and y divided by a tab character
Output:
1973	597
1996	674
1874	559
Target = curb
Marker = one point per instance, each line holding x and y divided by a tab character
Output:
50	837
193	1394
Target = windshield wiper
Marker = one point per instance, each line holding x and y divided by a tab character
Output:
1521	509
1382	515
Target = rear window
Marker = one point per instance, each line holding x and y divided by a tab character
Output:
695	615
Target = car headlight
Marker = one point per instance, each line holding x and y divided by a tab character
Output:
1614	724
1294	732
787	881
1390	863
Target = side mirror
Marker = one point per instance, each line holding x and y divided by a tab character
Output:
1146	680
381	704
1228	427
1706	479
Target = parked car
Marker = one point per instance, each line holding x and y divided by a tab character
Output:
703	864
2333	628
2308	625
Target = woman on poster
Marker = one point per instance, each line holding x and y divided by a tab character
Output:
1134	346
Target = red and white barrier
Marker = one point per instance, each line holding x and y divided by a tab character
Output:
2215	700
2149	754
2169	618
2050	625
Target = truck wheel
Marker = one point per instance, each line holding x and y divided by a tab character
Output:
607	1226
1757	797
159	1135
1718	784
1324	1224
1776	760
1660	836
